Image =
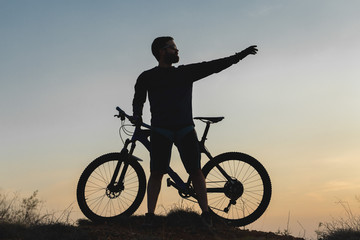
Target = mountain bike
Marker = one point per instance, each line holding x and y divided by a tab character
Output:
113	185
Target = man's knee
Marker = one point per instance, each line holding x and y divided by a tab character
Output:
196	173
156	176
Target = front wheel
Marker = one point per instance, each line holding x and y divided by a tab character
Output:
238	186
99	200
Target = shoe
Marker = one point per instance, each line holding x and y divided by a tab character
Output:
149	220
206	220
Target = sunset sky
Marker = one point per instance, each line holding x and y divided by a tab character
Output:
295	106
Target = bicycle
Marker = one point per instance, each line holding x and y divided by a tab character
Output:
113	185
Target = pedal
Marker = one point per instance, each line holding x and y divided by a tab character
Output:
169	182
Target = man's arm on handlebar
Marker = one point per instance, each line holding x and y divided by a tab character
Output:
136	120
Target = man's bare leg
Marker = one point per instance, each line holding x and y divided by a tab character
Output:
198	180
153	190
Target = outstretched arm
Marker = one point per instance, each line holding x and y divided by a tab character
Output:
198	71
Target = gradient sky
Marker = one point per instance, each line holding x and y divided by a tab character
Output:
65	66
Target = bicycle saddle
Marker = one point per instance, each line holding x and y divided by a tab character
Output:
210	119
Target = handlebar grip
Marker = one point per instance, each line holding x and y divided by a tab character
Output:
121	112
119	109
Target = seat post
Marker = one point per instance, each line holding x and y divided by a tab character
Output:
203	139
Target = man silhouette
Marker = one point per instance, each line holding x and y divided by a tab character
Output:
169	90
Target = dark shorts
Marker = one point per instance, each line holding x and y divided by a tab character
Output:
186	141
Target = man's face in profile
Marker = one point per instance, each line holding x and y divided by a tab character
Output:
171	52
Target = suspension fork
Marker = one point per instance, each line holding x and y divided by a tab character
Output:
124	158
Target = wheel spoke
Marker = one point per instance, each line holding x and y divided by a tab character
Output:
249	190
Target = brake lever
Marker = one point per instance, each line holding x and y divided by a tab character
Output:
122	117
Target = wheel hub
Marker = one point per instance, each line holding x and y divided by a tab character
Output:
114	191
234	189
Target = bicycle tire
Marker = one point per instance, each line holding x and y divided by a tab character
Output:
91	192
256	188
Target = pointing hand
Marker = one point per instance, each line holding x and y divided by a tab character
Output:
250	50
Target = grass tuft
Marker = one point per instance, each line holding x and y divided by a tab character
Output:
345	228
28	211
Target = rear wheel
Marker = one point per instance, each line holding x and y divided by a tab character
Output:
98	200
238	186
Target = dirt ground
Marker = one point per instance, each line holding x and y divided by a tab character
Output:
177	227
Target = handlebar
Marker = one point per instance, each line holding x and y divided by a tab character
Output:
122	115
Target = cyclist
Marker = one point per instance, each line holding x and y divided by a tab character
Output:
169	91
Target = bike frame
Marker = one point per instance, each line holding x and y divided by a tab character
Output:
142	135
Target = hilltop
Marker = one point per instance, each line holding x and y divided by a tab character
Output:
177	225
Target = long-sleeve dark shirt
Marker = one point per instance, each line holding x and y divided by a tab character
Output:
170	91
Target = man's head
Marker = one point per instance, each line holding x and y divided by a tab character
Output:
164	48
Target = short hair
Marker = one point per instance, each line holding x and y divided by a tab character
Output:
158	44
